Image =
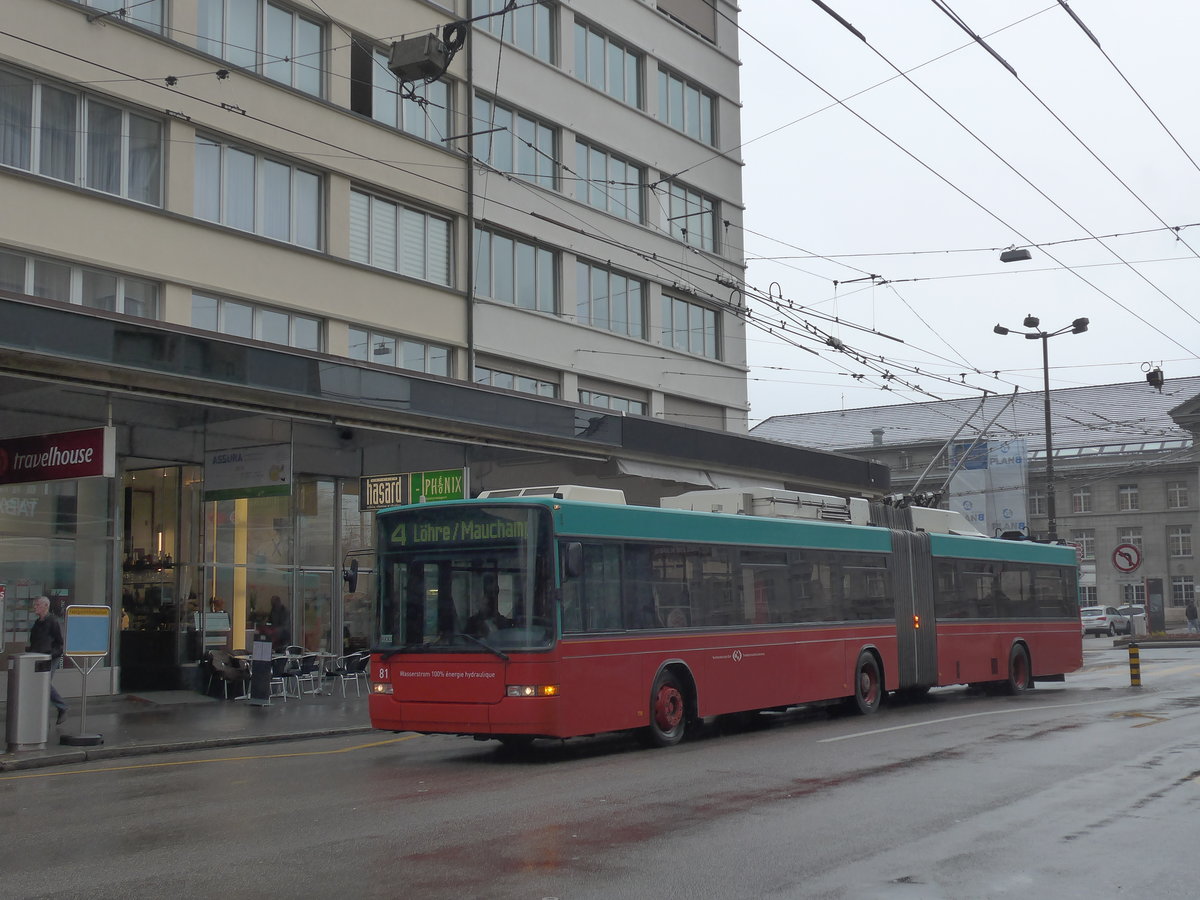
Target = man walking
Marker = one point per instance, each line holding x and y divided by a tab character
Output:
1190	612
46	636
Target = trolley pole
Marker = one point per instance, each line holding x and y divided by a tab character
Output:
1135	666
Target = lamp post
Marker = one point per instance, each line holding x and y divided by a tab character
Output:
1077	327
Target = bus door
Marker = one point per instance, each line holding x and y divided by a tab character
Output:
916	634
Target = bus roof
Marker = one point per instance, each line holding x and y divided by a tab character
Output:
579	518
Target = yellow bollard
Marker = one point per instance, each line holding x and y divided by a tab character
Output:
1135	666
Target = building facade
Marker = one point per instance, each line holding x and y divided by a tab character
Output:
1125	472
243	267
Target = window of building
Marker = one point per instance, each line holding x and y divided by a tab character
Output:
686	107
515	382
94	288
1085	539
1127	497
608	64
689	327
608	182
1087	595
699	16
422	109
1081	499
904	461
1130	536
1179	540
260	323
608	299
1133	593
402	352
1183	589
398	238
509	270
257	193
1177	495
522	146
264	37
147	14
1037	503
693	217
529	25
613	402
77	138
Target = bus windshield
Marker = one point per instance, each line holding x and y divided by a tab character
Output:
472	579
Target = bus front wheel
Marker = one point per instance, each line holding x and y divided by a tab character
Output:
668	712
868	684
1020	673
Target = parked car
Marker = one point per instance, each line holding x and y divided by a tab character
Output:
1132	613
1103	620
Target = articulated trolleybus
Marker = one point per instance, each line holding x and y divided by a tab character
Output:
529	613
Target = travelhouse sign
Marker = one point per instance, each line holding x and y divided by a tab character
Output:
88	453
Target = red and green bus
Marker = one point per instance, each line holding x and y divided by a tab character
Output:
606	617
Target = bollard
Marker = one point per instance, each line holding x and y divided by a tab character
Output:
1135	666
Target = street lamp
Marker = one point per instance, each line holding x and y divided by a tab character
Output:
1079	326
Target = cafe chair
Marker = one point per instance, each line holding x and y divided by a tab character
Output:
283	673
351	667
308	671
231	671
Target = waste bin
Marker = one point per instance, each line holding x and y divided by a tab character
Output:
28	717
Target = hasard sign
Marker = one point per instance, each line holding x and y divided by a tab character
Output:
54	457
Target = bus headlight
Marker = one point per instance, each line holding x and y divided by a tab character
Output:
531	690
381	687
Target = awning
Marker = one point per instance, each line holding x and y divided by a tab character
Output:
686	475
664	472
726	480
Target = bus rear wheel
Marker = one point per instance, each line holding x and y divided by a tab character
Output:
868	684
668	712
1020	673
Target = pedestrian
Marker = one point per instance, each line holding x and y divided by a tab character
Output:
1190	612
281	625
46	636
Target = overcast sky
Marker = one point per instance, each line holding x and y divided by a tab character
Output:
828	184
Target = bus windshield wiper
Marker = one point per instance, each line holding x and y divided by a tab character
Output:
484	644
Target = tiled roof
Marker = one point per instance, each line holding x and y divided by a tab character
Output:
1082	417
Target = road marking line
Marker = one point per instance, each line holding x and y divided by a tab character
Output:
990	712
195	762
1154	720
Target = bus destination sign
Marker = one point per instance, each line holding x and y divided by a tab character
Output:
461	528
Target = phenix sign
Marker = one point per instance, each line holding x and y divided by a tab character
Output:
54	457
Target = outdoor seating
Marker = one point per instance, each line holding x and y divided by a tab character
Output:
308	671
351	667
224	666
283	671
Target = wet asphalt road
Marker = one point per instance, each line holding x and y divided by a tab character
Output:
1089	789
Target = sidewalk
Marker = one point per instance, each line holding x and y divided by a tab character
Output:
162	721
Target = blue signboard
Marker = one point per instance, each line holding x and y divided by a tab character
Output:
87	630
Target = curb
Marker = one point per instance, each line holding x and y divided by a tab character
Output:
12	763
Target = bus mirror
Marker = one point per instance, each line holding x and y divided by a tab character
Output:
572	559
350	576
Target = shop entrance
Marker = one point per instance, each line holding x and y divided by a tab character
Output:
159	577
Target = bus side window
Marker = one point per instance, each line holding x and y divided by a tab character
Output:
599	588
572	605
